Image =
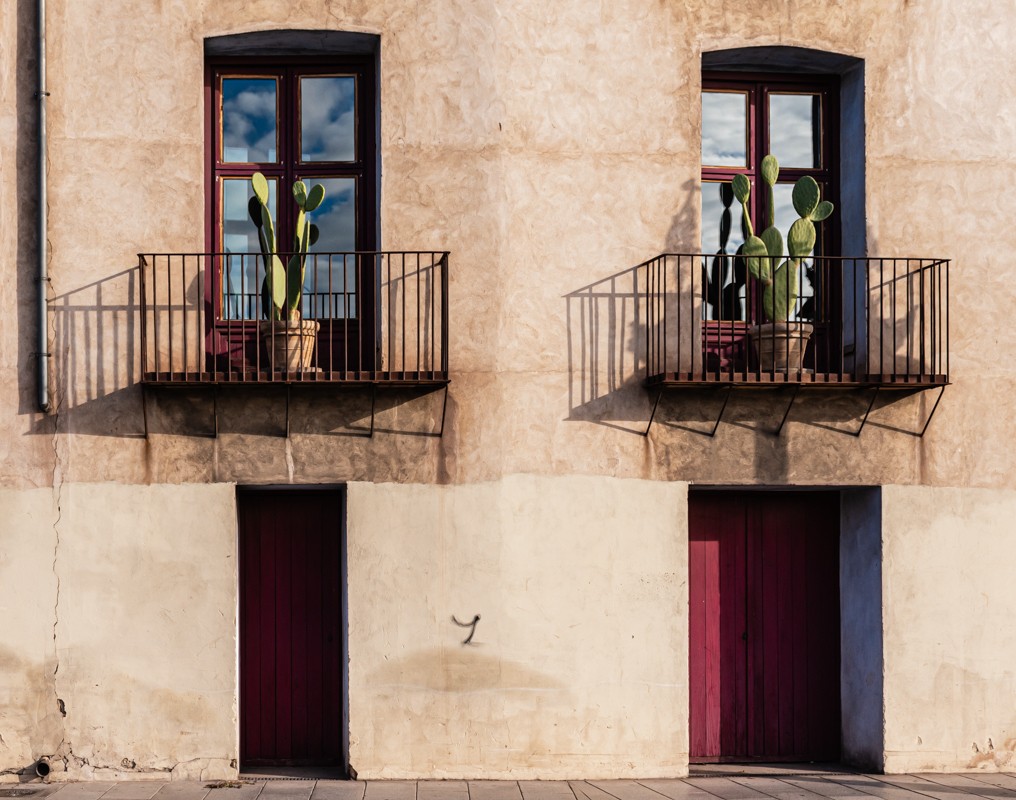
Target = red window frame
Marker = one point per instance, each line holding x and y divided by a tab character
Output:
352	336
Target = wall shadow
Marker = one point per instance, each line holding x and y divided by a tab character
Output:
606	329
606	349
265	410
95	364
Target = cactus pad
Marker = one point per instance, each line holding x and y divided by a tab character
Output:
801	238
742	188
779	297
805	196
822	211
314	197
260	185
774	241
756	258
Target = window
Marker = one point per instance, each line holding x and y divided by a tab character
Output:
298	118
745	117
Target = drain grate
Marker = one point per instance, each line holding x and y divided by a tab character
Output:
17	792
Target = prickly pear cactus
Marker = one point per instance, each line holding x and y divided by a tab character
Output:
763	253
282	289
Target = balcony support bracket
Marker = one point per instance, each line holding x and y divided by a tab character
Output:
793	398
934	408
373	406
726	399
871	404
289	391
652	416
444	409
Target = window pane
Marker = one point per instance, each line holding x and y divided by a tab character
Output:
722	233
795	126
330	281
249	111
243	268
724	129
328	118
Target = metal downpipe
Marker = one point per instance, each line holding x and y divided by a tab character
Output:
42	345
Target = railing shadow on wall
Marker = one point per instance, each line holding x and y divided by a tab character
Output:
607	351
95	358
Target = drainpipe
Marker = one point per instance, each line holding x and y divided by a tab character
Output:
42	226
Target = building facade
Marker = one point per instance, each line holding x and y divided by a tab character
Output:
534	512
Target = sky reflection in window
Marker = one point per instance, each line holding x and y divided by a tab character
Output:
724	129
248	120
330	283
243	272
795	129
328	118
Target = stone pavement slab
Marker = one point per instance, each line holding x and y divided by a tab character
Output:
339	790
770	783
185	790
546	790
494	790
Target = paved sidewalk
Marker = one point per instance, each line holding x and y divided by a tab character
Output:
761	784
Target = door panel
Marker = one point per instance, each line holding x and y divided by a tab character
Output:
717	621
290	627
764	625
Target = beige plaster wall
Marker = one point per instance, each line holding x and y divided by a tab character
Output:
549	148
118	642
578	666
950	643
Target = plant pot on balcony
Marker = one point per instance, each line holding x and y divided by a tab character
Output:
780	346
290	345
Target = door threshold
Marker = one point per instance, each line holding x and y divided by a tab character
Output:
293	773
767	769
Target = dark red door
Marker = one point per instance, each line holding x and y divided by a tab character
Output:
290	627
764	626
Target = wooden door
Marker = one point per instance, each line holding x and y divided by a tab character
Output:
290	628
764	626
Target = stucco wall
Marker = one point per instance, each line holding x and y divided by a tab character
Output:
549	147
118	641
579	661
950	643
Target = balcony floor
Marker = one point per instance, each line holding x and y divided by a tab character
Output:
319	377
831	380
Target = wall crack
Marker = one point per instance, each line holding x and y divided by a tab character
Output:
58	486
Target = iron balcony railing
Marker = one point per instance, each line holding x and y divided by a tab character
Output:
856	321
382	317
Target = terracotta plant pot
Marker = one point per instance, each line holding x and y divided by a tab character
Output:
780	346
290	345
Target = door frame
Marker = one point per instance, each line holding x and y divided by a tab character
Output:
297	490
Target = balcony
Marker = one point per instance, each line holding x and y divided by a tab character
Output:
377	320
382	320
879	323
